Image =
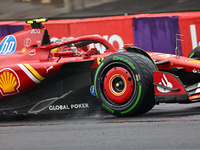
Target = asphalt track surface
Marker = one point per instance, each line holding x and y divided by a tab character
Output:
166	126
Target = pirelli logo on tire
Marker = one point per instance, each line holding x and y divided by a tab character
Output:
124	60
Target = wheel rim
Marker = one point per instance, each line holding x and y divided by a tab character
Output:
118	85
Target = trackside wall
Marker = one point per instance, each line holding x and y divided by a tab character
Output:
189	25
156	34
152	32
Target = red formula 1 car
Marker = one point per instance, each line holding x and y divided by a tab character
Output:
71	75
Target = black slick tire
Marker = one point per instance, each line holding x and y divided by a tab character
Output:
124	84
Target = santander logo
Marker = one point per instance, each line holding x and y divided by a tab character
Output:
164	82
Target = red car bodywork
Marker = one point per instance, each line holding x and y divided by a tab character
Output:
32	61
67	68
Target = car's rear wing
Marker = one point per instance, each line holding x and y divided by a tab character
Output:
37	23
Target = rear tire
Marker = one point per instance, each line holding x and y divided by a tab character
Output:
195	53
124	84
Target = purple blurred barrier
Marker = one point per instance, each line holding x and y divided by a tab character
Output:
9	29
156	34
3	30
15	28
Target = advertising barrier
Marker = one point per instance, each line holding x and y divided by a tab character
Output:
117	30
156	34
163	32
189	24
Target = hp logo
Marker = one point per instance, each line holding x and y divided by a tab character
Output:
8	45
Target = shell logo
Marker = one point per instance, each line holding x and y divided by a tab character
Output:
9	82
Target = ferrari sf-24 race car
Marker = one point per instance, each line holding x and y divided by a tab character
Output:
38	76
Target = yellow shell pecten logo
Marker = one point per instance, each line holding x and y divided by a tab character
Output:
9	82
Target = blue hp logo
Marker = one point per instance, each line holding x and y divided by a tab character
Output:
92	91
8	45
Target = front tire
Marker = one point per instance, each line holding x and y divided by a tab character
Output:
124	84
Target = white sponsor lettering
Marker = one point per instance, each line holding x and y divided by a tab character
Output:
67	107
78	106
35	31
59	107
